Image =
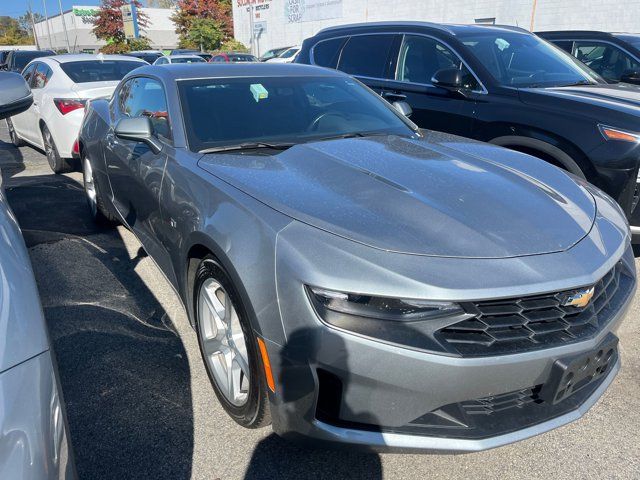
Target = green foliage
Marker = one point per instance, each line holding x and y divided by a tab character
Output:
233	45
205	34
12	34
118	46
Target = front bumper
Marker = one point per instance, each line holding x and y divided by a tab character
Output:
334	386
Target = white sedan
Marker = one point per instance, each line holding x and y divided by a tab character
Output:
166	60
288	56
61	86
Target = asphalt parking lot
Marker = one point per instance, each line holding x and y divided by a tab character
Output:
139	401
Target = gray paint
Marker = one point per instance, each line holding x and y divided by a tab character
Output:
261	217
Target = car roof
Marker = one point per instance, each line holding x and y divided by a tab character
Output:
184	55
453	29
564	33
80	57
174	72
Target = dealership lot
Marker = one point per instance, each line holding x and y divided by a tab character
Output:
140	404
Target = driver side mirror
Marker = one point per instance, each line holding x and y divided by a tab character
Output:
631	76
15	95
449	78
403	107
138	129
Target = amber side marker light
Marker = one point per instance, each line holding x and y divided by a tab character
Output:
267	365
615	134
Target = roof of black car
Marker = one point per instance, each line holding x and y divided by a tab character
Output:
230	70
574	32
453	29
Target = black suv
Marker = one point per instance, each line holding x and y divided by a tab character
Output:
616	57
17	59
502	85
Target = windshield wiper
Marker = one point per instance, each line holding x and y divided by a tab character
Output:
350	135
578	83
247	146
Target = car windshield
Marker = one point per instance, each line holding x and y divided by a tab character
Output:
98	71
522	60
22	58
233	57
188	60
275	110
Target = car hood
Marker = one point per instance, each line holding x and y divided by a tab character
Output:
622	97
441	196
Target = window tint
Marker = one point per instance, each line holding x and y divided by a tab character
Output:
421	57
326	53
20	59
42	75
281	109
606	59
366	55
28	73
98	71
145	97
566	45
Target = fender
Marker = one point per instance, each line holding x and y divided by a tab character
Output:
533	143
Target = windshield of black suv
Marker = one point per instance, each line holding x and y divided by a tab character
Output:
98	70
522	60
276	110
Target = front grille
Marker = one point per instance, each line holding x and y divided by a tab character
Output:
530	323
505	401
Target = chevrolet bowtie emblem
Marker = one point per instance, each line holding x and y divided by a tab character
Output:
579	299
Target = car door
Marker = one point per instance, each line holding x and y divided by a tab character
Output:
609	61
39	83
418	59
134	170
23	122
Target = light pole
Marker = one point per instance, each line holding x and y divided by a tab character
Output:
251	29
46	18
64	26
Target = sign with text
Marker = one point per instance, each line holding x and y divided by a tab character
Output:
130	21
297	11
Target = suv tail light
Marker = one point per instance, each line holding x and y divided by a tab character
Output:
67	105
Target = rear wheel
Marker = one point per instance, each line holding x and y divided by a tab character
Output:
56	162
228	347
15	139
99	212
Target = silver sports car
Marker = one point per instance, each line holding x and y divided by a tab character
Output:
352	279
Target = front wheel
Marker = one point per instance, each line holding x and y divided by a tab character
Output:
228	347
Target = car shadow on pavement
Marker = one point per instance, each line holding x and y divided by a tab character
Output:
11	161
123	368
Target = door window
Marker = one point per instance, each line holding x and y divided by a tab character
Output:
566	45
42	75
28	73
606	59
421	57
366	55
144	97
326	53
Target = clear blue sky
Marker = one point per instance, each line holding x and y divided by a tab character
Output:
15	8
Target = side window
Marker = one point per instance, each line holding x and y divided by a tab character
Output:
566	45
42	75
161	61
420	57
606	59
366	55
145	97
28	73
327	52
218	59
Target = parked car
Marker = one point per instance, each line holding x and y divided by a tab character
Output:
314	233
61	86
287	56
169	59
34	437
16	60
614	56
184	51
148	56
3	58
206	56
502	85
273	53
232	57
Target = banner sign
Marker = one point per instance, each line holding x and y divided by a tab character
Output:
130	21
297	11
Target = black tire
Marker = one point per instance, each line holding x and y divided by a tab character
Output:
15	139
97	207
255	413
56	162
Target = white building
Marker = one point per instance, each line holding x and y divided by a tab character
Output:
79	23
288	22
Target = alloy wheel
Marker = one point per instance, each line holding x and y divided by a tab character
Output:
48	149
223	342
90	187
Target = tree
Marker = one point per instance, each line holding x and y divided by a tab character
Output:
108	25
218	25
12	34
233	45
161	3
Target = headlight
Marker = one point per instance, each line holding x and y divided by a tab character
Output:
611	133
406	322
